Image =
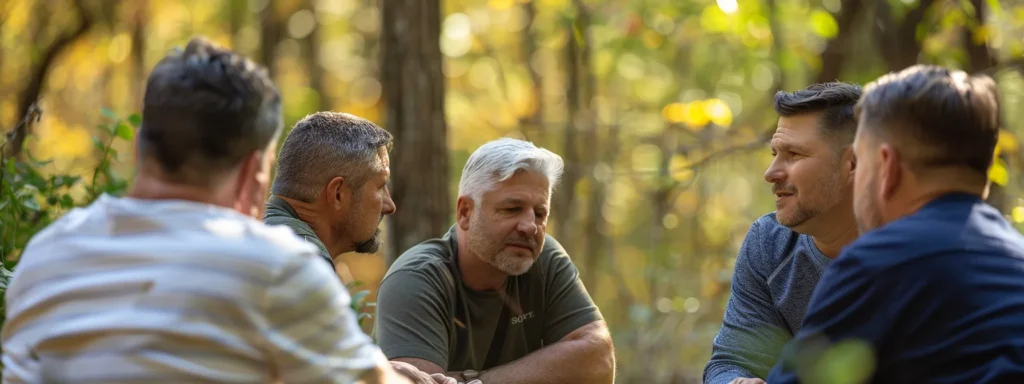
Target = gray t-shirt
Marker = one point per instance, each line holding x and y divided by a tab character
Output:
776	272
425	311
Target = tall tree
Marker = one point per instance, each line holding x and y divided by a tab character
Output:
413	90
41	63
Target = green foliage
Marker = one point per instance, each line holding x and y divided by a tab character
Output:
33	194
362	307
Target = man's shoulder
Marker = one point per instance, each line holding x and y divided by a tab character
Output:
166	231
769	243
277	215
428	258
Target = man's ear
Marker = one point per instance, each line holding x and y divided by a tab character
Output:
891	171
463	211
337	193
849	163
246	184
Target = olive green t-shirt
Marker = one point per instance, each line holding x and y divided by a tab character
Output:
425	311
279	212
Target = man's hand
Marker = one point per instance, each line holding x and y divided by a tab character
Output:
740	380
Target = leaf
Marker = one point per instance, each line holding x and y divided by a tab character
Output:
136	120
998	173
66	201
108	113
31	204
823	24
66	181
3	204
99	145
359	296
124	131
27	190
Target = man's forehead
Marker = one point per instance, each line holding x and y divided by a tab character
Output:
800	128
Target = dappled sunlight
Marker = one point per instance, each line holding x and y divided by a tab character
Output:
660	109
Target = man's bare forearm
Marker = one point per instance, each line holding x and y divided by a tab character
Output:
584	356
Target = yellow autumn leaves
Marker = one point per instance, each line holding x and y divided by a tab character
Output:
696	115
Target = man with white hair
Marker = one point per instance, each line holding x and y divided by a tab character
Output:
496	299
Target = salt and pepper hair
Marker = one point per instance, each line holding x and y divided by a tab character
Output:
498	160
325	145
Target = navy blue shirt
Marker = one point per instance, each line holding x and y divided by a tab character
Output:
938	296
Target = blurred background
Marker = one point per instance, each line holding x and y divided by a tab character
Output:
660	108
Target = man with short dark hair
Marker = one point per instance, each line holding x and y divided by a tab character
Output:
933	289
178	282
785	251
332	183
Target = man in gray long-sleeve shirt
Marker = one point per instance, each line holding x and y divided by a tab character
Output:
785	252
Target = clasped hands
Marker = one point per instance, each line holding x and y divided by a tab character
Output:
419	377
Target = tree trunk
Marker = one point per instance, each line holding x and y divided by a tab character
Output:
564	197
533	122
834	55
898	39
311	51
271	33
413	90
48	55
139	54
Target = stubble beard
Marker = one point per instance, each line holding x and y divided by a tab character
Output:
493	253
829	190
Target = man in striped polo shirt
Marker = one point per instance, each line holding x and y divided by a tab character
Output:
178	282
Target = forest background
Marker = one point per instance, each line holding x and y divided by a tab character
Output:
660	108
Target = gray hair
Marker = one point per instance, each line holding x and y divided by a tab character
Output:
498	160
325	145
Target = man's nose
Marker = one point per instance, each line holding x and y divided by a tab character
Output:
389	204
528	225
775	174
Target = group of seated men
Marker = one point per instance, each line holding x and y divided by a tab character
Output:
180	280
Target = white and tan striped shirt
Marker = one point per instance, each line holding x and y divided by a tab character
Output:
130	290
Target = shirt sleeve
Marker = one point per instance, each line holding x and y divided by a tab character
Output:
854	304
413	319
753	333
311	332
568	305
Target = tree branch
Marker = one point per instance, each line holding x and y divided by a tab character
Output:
30	94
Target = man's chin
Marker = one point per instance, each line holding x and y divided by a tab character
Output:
515	265
370	246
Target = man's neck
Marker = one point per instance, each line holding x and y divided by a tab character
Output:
146	187
840	232
913	200
477	274
307	212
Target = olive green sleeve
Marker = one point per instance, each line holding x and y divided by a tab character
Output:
568	304
412	316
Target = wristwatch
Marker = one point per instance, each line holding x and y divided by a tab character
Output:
470	374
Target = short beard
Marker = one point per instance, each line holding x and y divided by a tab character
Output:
370	246
493	253
829	195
